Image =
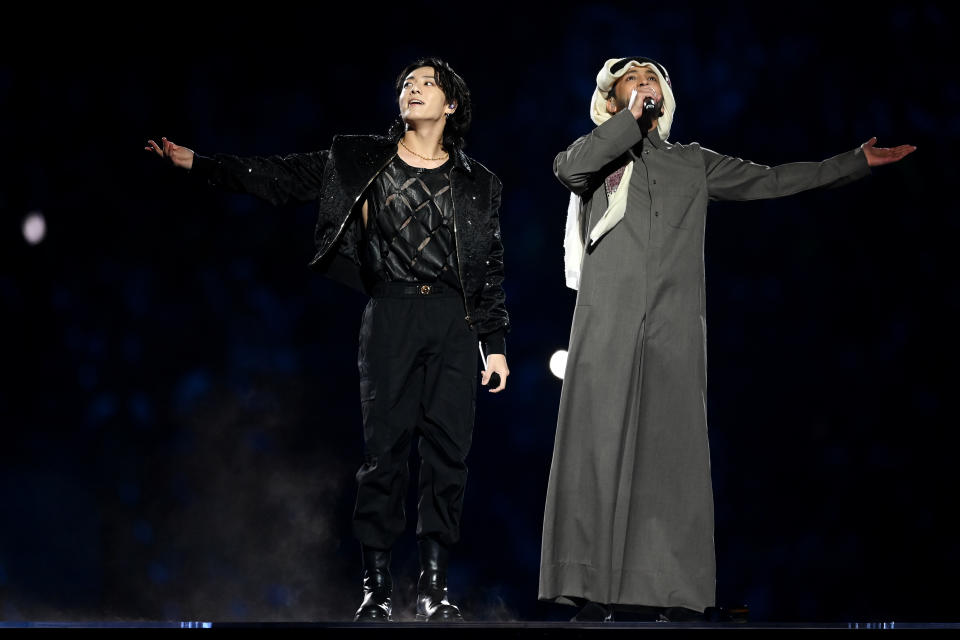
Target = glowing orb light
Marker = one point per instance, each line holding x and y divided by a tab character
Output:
34	228
558	363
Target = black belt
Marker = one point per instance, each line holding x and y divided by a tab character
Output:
405	289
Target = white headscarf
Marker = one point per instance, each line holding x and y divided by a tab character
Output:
616	201
606	80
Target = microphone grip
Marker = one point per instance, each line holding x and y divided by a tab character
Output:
494	380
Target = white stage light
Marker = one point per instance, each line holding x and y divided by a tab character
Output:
34	228
558	363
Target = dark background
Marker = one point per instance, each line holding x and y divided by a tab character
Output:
179	402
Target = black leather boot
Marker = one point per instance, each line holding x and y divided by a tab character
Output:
377	587
432	603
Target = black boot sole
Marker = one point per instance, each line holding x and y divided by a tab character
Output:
372	617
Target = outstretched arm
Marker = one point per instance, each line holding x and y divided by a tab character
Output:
735	179
278	180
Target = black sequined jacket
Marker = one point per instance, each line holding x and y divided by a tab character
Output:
338	177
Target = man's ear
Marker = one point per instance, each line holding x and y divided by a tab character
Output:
451	106
612	105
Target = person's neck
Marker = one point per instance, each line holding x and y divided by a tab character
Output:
421	147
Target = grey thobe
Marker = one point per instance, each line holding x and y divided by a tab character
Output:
629	510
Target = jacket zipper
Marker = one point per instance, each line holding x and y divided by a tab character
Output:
456	244
350	210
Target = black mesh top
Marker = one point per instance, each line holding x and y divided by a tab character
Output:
410	225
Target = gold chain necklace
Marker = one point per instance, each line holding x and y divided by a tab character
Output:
445	155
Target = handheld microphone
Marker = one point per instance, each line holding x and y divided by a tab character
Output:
649	104
494	380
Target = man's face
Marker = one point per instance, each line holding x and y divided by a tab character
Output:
421	98
639	78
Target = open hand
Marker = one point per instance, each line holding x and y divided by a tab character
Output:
177	155
877	156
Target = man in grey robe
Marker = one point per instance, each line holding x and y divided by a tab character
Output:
629	509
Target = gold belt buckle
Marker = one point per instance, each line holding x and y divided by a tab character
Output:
424	289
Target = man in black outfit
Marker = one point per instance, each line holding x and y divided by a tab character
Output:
414	222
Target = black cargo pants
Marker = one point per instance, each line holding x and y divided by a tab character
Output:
418	376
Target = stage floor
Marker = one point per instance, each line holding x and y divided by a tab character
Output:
513	629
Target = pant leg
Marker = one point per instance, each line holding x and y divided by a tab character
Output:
391	384
447	418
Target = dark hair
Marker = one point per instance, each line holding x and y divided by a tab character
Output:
454	90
